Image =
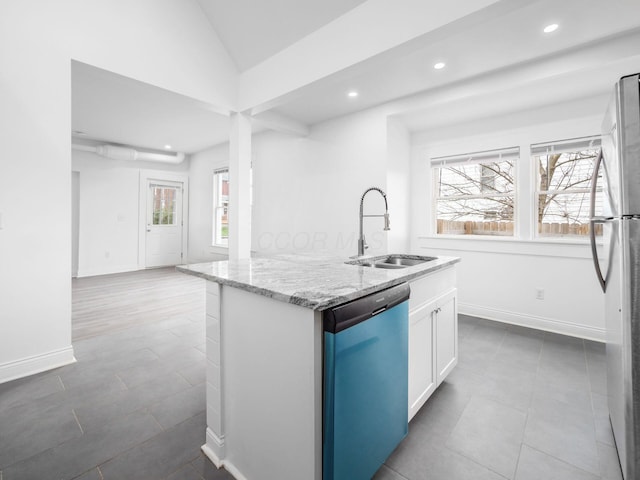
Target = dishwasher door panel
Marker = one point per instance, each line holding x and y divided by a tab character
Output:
365	394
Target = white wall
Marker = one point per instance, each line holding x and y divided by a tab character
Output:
307	190
109	212
399	184
202	166
498	278
169	44
307	193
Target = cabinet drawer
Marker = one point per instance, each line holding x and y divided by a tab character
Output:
431	286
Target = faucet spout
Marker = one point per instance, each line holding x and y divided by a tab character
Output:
362	244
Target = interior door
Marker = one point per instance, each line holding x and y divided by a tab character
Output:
164	224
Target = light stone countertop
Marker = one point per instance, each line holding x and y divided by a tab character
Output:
313	281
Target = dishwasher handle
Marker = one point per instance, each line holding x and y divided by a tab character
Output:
349	314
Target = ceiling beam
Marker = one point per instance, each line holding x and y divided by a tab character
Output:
560	71
281	123
370	29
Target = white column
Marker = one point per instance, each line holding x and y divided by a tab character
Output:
239	187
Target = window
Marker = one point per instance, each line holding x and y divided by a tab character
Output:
221	207
475	193
164	205
563	180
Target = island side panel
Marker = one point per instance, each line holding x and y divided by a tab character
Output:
271	387
214	447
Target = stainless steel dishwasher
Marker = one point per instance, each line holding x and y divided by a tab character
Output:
365	405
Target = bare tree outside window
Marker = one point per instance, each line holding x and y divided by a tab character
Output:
564	181
475	193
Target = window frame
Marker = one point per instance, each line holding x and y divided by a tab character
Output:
569	145
170	210
216	237
477	158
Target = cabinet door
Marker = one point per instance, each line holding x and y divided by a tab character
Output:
422	374
446	334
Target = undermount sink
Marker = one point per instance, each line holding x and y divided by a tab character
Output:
390	266
405	261
392	261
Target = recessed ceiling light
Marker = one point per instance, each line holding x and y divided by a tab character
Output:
352	94
550	28
439	65
167	147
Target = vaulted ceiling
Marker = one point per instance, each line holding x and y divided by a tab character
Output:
254	30
497	60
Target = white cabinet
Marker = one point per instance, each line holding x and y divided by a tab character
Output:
445	322
433	335
422	371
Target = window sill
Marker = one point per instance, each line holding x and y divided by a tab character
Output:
547	247
219	249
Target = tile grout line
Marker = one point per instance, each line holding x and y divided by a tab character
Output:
593	411
522	444
121	381
588	472
77	421
462	454
200	477
188	464
526	423
535	381
186	380
63	389
586	362
387	466
154	419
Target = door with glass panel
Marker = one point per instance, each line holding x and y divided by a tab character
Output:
164	224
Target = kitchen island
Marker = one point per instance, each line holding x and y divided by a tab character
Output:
265	352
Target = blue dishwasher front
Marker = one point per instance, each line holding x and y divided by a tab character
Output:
365	406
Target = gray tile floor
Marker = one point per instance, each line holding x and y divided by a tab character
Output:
520	405
131	408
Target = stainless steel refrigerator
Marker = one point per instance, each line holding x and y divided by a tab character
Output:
617	172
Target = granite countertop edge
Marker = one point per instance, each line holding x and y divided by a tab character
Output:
314	298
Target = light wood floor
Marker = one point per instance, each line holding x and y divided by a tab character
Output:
108	303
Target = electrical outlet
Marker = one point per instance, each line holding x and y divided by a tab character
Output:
539	293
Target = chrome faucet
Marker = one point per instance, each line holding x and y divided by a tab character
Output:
362	244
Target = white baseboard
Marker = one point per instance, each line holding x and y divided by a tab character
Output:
36	364
214	449
92	272
547	324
